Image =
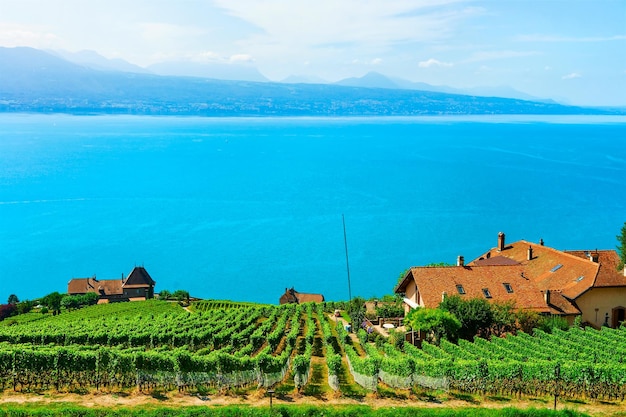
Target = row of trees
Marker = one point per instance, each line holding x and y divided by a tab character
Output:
456	318
14	307
178	295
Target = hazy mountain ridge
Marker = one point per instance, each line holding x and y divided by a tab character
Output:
36	81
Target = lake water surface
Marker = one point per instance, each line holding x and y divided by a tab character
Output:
242	208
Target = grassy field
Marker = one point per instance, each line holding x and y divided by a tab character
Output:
281	410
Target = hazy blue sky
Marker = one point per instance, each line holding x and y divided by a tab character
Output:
571	49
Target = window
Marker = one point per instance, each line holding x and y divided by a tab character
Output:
556	268
580	278
508	287
460	289
486	293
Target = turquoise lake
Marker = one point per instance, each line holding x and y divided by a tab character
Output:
242	208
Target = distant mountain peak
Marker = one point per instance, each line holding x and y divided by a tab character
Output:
370	80
215	70
94	60
303	79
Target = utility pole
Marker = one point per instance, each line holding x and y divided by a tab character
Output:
345	242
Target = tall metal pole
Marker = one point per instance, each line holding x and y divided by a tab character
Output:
345	242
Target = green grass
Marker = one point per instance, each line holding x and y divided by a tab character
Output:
70	410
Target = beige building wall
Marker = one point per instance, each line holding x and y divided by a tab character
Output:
412	294
596	303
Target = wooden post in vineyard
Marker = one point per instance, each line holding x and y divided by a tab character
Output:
557	375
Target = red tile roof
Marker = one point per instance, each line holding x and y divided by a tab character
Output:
560	305
293	296
571	272
608	274
433	282
102	287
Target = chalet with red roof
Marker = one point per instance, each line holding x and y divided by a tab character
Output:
533	276
295	297
138	286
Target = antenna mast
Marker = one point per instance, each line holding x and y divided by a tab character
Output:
345	242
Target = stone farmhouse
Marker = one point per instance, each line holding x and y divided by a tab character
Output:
293	296
533	276
137	286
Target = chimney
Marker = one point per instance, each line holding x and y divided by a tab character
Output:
594	256
546	296
443	295
500	241
530	253
460	261
541	241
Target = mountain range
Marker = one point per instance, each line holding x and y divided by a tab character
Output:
33	80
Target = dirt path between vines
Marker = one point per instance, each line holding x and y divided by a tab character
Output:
108	400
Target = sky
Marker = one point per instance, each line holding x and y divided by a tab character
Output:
573	51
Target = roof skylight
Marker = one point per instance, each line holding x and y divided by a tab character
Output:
556	268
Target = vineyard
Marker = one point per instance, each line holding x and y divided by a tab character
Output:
155	345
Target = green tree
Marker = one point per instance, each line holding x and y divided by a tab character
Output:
164	295
621	248
504	318
549	323
356	310
434	323
24	306
181	295
53	302
527	320
13	299
89	299
70	302
475	315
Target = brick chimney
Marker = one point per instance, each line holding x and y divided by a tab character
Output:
500	241
460	261
530	253
546	296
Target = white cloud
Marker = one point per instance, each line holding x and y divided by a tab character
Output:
12	35
241	58
158	31
206	56
432	62
571	76
377	61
